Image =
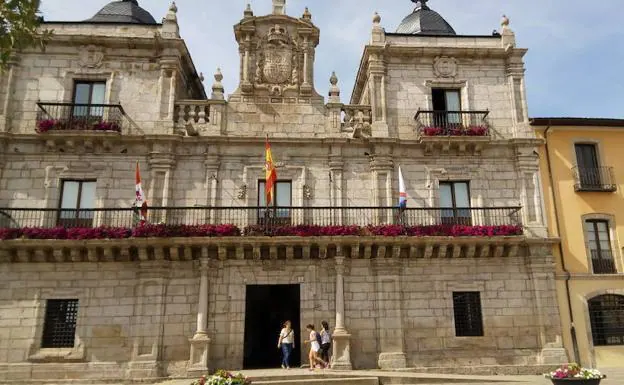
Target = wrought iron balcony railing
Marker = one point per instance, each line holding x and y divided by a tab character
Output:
452	123
598	179
602	262
79	117
263	218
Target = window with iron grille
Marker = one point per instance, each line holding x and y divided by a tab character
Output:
599	241
468	317
59	327
606	313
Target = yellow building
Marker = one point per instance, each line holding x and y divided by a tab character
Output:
582	163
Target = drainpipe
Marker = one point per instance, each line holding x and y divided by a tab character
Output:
575	347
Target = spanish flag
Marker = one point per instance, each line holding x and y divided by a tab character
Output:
270	173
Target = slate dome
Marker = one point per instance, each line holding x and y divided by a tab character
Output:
123	11
425	21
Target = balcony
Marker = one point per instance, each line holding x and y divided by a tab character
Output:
266	220
594	179
602	262
452	123
79	117
185	233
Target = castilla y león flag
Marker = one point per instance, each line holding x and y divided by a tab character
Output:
271	173
140	201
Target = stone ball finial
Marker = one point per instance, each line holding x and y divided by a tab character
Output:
333	80
218	75
306	14
505	21
173	7
376	18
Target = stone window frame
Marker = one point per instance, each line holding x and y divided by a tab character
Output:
462	85
591	349
582	140
74	354
71	77
101	173
296	174
615	249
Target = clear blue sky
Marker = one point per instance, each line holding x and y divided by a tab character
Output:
574	64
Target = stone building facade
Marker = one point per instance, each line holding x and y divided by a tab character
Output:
449	109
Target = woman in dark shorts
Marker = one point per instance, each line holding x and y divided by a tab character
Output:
326	340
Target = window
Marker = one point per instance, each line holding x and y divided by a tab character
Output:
587	162
455	203
446	106
77	203
87	94
606	313
282	201
59	327
599	242
468	318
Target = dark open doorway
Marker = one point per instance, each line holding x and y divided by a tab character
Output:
266	308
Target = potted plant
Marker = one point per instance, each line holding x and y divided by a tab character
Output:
222	377
575	374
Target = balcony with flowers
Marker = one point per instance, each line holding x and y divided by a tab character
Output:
179	233
457	129
79	118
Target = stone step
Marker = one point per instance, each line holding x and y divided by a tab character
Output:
317	380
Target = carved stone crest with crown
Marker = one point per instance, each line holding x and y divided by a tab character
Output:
277	66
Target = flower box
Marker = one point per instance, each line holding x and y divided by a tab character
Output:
47	125
222	377
574	374
575	381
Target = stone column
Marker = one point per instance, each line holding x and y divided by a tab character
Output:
390	314
200	343
341	357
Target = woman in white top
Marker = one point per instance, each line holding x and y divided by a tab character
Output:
286	342
315	347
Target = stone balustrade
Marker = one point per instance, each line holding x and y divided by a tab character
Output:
194	116
355	114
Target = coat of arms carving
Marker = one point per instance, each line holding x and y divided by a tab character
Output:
276	61
90	56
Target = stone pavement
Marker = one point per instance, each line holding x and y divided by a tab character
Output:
320	377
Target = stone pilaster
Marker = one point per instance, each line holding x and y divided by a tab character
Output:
336	182
542	283
7	80
148	321
200	343
382	168
390	317
341	347
377	80
162	163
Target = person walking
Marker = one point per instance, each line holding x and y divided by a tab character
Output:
326	340
286	342
315	347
